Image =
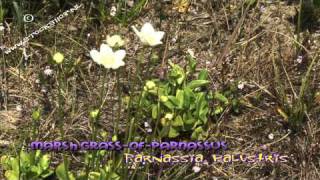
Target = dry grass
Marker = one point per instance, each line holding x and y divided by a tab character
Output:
231	42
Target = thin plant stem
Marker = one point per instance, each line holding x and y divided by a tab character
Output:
60	114
299	23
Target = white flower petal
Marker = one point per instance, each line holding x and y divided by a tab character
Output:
120	54
105	49
117	64
159	35
95	55
147	28
155	43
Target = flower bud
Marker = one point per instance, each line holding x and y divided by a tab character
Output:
169	116
150	85
58	57
94	114
163	99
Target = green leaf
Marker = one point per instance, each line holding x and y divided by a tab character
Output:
173	132
94	175
44	161
47	173
36	169
188	95
62	173
114	176
11	175
25	159
177	121
154	111
180	98
15	165
174	100
203	75
218	110
169	105
197	83
197	132
220	97
192	63
176	74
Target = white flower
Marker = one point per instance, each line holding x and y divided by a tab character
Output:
107	57
146	124
113	11
299	59
241	85
48	71
149	130
148	35
271	136
19	107
196	169
130	3
44	90
114	41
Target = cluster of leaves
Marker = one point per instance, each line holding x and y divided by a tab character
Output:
105	172
180	102
28	165
35	165
227	98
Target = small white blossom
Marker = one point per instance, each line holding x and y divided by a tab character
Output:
146	124
113	11
271	136
148	35
48	71
196	169
149	130
19	107
130	3
241	85
44	90
299	59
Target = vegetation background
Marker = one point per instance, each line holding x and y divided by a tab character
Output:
261	58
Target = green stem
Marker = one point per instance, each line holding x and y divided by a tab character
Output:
95	121
119	102
299	23
61	116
